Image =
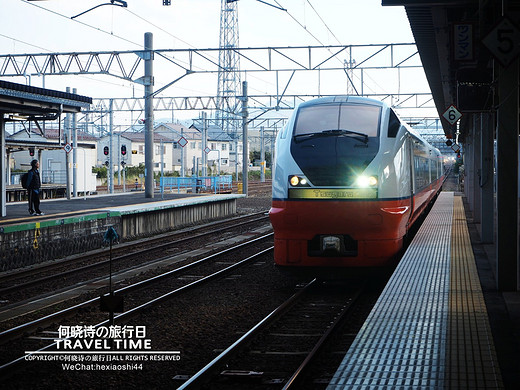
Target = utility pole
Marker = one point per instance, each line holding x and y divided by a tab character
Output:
262	155
67	157
118	164
183	168
74	151
204	144
244	138
111	147
148	115
162	166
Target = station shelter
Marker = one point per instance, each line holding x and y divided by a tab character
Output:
19	102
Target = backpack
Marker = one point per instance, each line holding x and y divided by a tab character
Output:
23	180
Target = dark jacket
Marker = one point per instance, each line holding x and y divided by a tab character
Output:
33	178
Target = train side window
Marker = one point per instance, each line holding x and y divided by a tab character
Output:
393	125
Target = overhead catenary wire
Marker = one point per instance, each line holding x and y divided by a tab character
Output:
25	43
105	32
312	35
82	23
299	23
163	30
154	25
179	39
324	23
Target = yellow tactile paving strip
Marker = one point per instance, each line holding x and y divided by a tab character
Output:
429	328
471	357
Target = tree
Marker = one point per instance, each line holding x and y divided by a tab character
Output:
101	172
135	171
254	155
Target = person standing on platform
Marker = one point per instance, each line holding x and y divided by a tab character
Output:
33	188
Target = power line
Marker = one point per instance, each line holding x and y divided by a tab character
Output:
83	23
25	43
307	30
159	28
301	25
325	24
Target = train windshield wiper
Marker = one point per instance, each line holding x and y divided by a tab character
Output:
338	132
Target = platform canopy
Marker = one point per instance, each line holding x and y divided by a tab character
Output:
450	38
18	101
23	102
471	56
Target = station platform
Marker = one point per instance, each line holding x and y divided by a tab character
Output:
79	224
431	327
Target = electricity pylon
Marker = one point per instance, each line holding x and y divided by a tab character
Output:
229	85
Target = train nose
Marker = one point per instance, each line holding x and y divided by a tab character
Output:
331	243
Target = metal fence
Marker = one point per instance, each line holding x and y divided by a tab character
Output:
214	184
47	177
54	177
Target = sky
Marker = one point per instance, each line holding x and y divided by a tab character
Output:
45	26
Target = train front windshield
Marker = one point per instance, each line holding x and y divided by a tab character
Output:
325	117
333	143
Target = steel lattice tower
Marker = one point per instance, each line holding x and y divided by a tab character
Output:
228	105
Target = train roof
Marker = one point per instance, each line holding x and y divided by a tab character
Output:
363	100
344	99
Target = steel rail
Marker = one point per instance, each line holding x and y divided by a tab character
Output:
33	282
5	369
292	383
197	380
12	333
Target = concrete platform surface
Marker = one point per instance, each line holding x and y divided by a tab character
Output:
19	211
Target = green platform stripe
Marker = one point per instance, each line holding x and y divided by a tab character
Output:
57	222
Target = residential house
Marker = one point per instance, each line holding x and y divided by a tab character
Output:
52	154
133	142
175	145
220	147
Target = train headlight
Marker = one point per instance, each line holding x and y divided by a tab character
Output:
297	181
294	180
366	181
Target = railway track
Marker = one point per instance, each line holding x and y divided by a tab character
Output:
257	188
165	286
201	323
42	304
281	349
23	284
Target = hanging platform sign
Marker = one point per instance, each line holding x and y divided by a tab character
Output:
502	42
452	115
463	42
